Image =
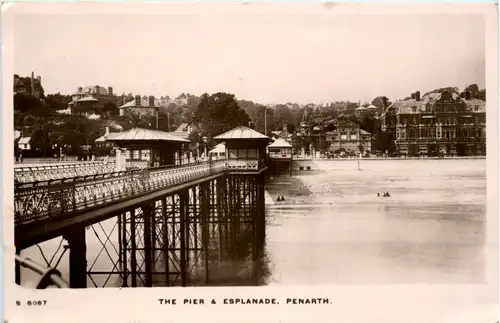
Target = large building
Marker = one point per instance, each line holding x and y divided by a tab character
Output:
350	137
437	124
140	105
91	99
28	86
282	134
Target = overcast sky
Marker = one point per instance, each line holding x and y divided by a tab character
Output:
265	58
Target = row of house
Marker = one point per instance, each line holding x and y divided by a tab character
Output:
88	100
442	123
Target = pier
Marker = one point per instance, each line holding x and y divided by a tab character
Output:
172	222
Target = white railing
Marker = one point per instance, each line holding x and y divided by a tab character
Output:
137	164
236	164
37	173
43	200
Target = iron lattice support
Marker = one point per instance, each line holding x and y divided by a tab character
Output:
175	240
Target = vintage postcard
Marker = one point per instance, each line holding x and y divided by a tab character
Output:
250	162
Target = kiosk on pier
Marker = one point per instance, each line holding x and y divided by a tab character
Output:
245	149
141	148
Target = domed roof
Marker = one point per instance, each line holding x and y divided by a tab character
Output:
360	108
371	106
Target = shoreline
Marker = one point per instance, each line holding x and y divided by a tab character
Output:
388	158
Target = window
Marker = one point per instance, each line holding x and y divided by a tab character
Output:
414	109
353	136
476	108
252	153
242	154
233	153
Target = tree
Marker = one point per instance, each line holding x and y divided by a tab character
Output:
140	121
27	104
40	141
257	114
111	108
283	116
218	113
57	101
381	102
476	93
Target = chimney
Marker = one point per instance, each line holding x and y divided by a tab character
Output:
413	96
417	95
137	100
110	90
467	95
151	101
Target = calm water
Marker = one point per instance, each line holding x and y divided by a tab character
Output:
333	229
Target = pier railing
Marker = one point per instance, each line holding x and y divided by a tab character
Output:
58	198
46	172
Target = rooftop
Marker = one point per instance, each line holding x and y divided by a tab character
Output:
183	127
472	103
280	143
141	134
144	104
87	99
109	136
241	132
220	148
24	140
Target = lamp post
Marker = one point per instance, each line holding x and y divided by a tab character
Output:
205	145
265	121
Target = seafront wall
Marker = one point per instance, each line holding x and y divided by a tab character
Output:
304	165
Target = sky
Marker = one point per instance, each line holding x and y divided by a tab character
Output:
266	58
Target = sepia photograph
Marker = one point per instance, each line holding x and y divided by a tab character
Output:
327	146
